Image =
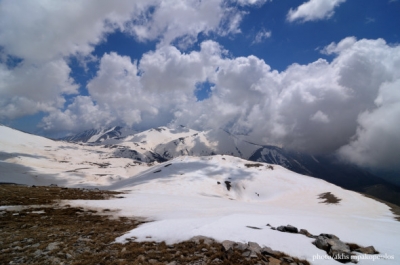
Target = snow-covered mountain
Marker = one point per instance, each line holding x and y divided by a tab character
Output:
98	135
219	196
34	160
162	144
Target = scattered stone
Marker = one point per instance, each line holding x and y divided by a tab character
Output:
288	229
269	251
240	246
227	245
333	247
140	258
206	240
281	228
52	246
274	261
246	253
367	250
329	236
288	259
38	253
253	246
305	232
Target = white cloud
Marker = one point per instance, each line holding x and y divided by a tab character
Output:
377	140
82	114
44	34
253	2
315	107
344	44
319	116
314	10
261	36
29	88
182	21
43	30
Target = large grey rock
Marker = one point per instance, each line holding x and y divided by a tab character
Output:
291	229
337	249
281	228
321	243
288	229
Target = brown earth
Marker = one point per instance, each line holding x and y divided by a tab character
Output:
42	231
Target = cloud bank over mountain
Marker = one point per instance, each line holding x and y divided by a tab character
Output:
347	104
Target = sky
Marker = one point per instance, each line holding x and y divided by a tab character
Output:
318	76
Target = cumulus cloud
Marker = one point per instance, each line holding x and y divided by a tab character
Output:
43	30
377	140
182	21
44	34
81	114
29	88
314	10
319	107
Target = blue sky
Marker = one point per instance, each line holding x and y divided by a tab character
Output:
313	75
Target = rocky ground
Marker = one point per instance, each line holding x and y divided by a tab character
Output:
39	230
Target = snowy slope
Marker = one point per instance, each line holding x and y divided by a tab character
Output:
34	160
207	143
184	199
161	144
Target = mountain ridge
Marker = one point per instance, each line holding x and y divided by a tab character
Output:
162	144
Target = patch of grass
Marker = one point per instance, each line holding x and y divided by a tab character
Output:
26	195
253	165
329	198
84	236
